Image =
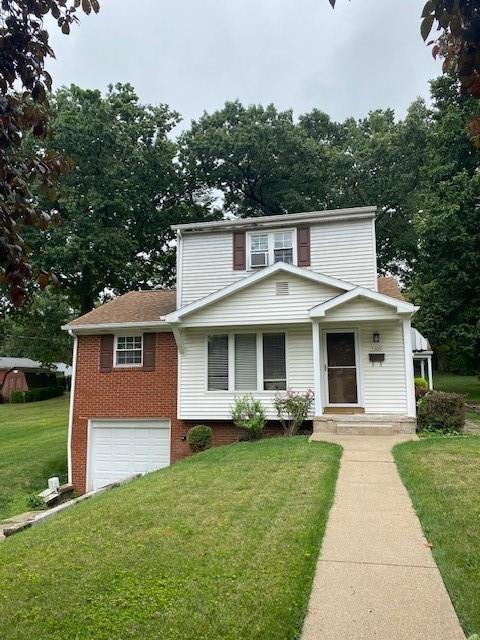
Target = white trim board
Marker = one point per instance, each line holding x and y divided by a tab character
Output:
361	292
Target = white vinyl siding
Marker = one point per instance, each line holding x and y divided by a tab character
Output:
261	303
197	403
383	385
361	309
246	361
344	250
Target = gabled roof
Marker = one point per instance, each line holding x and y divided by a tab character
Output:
360	292
27	363
278	267
133	308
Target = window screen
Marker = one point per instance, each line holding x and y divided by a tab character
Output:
218	363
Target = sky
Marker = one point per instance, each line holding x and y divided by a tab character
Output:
196	54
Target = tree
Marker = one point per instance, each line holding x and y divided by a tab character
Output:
24	110
34	331
258	158
446	283
262	162
116	207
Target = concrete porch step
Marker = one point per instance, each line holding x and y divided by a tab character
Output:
364	424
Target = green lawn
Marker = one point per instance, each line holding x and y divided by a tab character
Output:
443	478
468	385
219	546
33	447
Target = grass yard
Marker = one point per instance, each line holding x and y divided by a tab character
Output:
221	545
33	446
443	478
468	385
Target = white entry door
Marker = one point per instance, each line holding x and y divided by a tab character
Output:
122	448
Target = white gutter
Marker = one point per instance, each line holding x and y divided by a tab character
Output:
72	400
281	220
105	326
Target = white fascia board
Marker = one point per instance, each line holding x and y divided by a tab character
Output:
239	285
106	327
313	217
360	292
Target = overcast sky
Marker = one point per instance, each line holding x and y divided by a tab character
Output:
196	54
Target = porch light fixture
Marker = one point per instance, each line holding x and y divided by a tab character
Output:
376	338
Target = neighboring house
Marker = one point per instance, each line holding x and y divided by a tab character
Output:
262	305
22	374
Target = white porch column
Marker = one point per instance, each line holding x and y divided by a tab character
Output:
422	368
317	378
408	353
430	374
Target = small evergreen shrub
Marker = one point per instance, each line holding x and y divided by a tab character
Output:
439	411
199	438
248	414
293	409
35	395
421	387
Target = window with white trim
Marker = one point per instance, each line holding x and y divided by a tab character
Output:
274	362
267	248
248	354
218	362
128	351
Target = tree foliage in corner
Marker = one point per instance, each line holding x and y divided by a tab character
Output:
35	329
24	109
116	207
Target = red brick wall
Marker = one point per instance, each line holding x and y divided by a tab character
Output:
132	393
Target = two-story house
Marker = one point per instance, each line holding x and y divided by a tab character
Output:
262	305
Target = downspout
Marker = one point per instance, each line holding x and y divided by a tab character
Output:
72	400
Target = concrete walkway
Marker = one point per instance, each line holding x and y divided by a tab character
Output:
375	577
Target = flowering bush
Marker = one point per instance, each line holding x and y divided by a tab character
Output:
248	414
293	409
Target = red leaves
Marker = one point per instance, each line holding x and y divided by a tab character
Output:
24	47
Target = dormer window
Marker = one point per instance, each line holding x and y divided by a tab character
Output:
267	248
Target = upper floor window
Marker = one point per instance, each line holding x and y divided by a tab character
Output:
128	351
267	248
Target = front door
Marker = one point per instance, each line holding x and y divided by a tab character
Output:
341	368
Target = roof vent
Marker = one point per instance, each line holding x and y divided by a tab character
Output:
281	288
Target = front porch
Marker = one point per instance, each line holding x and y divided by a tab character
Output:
364	424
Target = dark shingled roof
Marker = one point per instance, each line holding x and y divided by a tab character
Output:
135	306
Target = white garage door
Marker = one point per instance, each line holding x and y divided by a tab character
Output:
123	448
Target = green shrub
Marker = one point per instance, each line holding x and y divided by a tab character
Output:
35	502
199	438
35	395
421	382
293	409
421	387
248	414
439	411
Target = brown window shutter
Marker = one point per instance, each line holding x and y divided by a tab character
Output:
303	246
106	353
239	251
149	351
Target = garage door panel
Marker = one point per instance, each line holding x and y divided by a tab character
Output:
122	449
